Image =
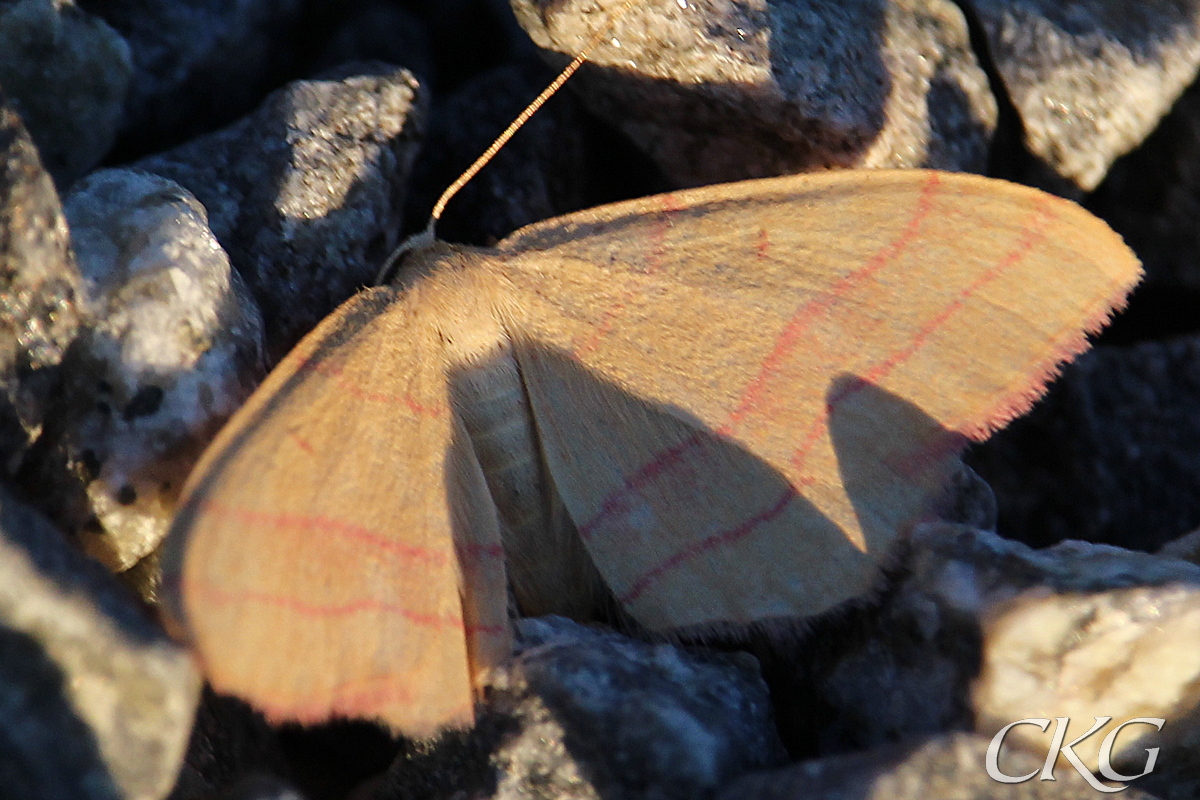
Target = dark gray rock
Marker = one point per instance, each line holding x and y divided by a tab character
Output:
470	37
197	63
968	499
1152	198
38	288
947	767
68	73
886	669
587	713
1090	79
306	193
380	30
262	787
171	346
231	749
98	701
1109	455
716	90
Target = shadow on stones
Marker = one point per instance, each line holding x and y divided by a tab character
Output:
46	749
825	130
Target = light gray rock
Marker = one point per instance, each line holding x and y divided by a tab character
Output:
1090	79
950	767
306	194
69	74
38	288
975	632
716	90
46	750
588	713
172	345
98	702
1077	631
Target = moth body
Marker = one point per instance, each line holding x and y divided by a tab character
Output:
720	407
549	571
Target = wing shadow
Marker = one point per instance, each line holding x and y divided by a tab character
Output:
726	495
870	427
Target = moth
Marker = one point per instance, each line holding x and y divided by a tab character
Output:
721	405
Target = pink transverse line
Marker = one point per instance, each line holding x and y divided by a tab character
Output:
311	609
375	540
804	317
784	344
726	537
350	387
1032	232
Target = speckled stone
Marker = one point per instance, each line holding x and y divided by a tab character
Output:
950	767
588	713
1152	198
973	631
1078	631
38	288
306	194
197	63
171	346
716	90
1091	78
98	701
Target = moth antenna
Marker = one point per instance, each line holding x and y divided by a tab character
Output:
417	241
427	236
